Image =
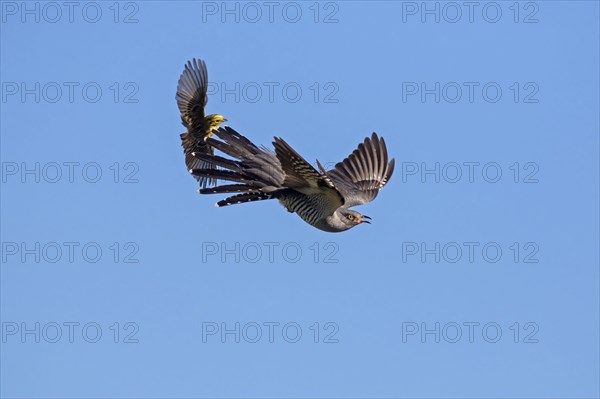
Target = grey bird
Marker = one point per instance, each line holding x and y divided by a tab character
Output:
322	198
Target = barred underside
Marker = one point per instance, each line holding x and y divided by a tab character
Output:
311	208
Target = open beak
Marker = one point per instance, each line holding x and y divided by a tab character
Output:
364	221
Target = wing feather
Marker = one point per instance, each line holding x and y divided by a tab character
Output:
299	173
364	172
191	92
304	178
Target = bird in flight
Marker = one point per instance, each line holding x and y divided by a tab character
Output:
191	100
322	198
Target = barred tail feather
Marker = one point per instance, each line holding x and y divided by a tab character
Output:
229	188
225	148
230	136
222	175
197	162
243	198
257	169
219	161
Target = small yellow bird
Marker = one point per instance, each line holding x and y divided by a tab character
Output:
191	100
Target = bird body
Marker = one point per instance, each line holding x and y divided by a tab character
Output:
321	198
313	208
191	100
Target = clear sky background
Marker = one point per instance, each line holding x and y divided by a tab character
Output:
517	87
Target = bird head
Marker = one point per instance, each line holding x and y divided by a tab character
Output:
352	218
215	120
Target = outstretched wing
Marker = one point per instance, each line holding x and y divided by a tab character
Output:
363	173
299	174
191	92
304	178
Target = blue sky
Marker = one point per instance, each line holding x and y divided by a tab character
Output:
478	277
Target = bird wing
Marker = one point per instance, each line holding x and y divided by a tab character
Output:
363	173
304	178
191	92
298	172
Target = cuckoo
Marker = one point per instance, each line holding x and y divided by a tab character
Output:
322	198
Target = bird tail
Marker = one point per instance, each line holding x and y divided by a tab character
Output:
243	198
228	188
256	170
192	148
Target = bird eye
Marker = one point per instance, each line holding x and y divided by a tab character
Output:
350	217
